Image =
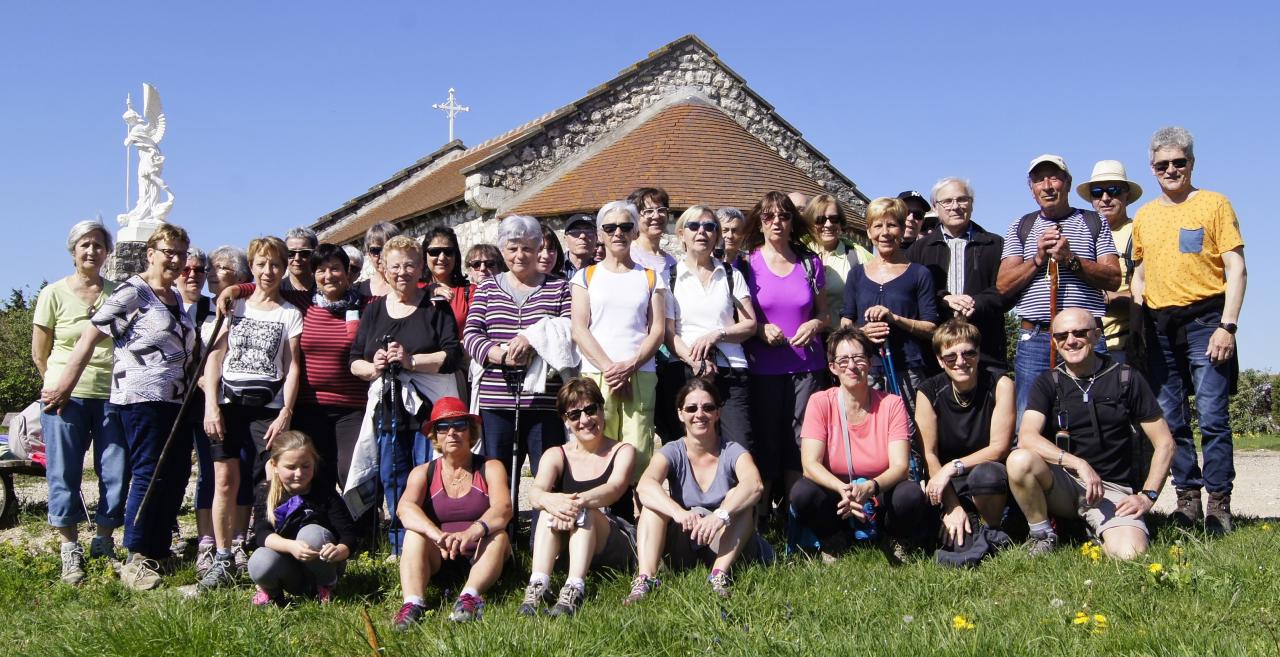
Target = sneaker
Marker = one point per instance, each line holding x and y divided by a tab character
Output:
204	559
641	586
833	548
1188	512
408	616
219	574
894	551
102	546
177	544
239	558
534	595
140	573
261	598
72	563
324	594
1217	519
1038	545
568	602
720	583
467	608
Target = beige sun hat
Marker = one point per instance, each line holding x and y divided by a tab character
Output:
1108	171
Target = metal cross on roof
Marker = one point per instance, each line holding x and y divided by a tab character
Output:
452	108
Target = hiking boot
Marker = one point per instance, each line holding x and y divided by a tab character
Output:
239	558
534	595
1189	512
835	547
1217	519
102	546
324	594
641	587
1038	545
204	559
408	616
467	608
218	575
261	598
894	551
720	583
140	573
72	563
569	601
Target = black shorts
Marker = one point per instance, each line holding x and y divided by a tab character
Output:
242	427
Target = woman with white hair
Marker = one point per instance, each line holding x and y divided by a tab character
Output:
504	308
228	265
378	284
62	311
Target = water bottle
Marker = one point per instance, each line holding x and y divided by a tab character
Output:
865	530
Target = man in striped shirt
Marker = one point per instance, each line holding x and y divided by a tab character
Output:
1087	264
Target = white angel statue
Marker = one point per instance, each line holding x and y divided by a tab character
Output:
145	134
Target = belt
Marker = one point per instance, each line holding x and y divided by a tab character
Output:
1031	326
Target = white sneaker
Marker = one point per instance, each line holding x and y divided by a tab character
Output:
72	563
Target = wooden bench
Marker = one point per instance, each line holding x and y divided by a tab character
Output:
9	468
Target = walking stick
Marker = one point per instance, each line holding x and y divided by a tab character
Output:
1053	308
389	406
514	378
182	411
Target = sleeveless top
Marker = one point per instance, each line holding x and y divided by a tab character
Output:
962	430
569	484
453	514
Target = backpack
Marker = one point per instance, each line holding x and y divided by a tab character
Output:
728	273
1141	448
649	275
1091	219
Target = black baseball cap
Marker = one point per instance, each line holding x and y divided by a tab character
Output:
577	219
913	194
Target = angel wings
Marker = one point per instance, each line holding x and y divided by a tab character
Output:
146	130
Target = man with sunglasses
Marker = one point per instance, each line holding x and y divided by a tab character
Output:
1111	192
1191	277
301	242
580	244
1078	454
917	208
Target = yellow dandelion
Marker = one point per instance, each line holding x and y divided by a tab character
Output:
1080	619
960	623
1266	526
1099	619
1175	551
1155	568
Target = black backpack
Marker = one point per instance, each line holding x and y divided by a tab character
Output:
1141	447
1091	219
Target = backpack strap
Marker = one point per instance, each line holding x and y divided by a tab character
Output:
1025	224
651	276
1128	259
1092	220
591	271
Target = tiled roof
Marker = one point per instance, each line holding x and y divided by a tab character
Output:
695	152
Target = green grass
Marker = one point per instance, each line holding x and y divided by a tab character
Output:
1267	441
1220	598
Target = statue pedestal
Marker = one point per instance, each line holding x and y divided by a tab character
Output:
137	232
128	259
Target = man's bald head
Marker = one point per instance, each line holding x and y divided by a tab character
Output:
1071	319
799	199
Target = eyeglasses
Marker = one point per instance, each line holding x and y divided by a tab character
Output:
953	202
844	362
576	413
610	228
300	253
709	226
655	212
707	407
456	424
1061	336
780	216
437	251
375	250
483	264
967	354
170	254
832	219
1112	190
196	271
1162	165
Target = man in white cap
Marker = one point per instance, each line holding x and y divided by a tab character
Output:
1087	265
1110	191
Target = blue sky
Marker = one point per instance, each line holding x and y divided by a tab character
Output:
281	112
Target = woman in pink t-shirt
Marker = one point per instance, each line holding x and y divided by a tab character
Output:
853	433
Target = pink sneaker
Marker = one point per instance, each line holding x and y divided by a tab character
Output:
261	598
324	594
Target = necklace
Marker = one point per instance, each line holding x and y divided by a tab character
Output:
1084	392
955	394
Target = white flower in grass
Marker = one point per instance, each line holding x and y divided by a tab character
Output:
1056	602
908	619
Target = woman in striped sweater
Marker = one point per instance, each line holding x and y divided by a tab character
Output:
503	307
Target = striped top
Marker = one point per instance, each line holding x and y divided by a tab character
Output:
1073	291
495	318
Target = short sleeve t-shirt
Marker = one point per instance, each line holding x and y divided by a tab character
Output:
619	311
886	422
962	430
684	485
258	346
154	344
1181	248
786	302
701	310
61	311
1111	455
1073	291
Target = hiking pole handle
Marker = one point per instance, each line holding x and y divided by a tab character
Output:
1053	308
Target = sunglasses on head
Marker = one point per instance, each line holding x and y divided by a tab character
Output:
1061	336
1112	190
609	229
967	354
834	220
457	424
437	251
590	409
707	407
709	226
487	264
299	253
780	216
188	271
1177	162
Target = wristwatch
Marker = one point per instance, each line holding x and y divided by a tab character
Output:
1228	327
1074	263
1151	494
723	516
959	466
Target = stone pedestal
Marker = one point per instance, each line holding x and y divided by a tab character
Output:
128	259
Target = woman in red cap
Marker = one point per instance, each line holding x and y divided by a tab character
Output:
455	511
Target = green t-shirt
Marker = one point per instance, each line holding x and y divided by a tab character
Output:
59	309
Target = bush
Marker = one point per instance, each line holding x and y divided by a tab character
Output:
19	380
1253	408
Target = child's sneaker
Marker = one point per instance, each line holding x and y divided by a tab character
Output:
324	594
408	616
261	598
467	608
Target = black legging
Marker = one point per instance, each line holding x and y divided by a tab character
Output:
905	512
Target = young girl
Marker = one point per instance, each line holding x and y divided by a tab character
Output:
305	533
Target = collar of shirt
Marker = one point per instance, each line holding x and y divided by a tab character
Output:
968	234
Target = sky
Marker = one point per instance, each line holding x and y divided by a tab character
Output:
281	112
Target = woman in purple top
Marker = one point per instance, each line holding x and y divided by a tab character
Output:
787	358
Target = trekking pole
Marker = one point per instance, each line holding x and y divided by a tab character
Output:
514	379
389	379
182	411
1053	307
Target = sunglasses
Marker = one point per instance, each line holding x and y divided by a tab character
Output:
707	407
375	250
576	413
437	251
834	220
780	216
918	214
580	233
709	226
610	228
1178	163
967	354
299	253
196	271
457	424
1113	190
844	362
1061	336
483	264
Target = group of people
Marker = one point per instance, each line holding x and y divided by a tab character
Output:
669	406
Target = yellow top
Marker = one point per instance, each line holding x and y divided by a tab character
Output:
836	267
66	315
1181	247
1115	324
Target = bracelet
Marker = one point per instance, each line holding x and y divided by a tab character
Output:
1061	454
875	487
485	527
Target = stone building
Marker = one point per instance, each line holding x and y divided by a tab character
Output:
680	119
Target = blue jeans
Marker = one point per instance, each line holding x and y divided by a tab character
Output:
66	439
539	431
396	457
146	426
1179	367
1031	359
